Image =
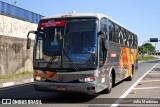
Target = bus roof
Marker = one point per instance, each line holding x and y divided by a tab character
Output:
72	14
77	14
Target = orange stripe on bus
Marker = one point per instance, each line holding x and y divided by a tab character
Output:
54	73
128	50
36	73
132	59
54	77
45	72
124	54
121	63
48	74
126	75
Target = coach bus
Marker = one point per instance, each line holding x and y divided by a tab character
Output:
82	52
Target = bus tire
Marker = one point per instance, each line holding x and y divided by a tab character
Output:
37	88
111	83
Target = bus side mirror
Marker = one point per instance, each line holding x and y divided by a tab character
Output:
28	43
29	39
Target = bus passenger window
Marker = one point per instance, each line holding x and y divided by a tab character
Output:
125	38
121	36
117	31
136	42
111	31
130	39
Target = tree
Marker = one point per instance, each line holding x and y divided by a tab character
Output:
149	48
140	49
146	48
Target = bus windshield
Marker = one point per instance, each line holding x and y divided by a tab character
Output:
66	45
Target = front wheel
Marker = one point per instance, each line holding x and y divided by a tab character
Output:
109	88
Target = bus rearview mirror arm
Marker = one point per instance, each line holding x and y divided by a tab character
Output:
32	31
29	39
100	33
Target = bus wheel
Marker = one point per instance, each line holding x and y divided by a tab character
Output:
37	88
109	88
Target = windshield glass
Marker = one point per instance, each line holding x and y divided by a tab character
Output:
66	44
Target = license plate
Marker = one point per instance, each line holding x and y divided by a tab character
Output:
61	88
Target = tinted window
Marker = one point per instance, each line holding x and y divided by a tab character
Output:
102	52
117	32
104	28
130	37
125	37
111	31
134	41
121	36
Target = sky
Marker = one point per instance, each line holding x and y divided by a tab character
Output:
142	17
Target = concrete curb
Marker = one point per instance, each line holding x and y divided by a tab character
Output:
19	81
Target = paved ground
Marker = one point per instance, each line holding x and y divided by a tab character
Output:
147	91
13	82
144	85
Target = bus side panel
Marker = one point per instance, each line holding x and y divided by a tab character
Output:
128	58
128	52
115	59
135	55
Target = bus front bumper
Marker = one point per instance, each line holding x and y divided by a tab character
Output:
84	87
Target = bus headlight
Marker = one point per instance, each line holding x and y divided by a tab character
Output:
88	79
38	78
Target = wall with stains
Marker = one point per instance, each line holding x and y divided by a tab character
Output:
14	57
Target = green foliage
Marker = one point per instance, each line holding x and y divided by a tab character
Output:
140	49
146	58
20	75
146	48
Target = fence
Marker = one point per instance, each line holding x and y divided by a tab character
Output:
14	11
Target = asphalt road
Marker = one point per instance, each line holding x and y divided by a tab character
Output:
145	85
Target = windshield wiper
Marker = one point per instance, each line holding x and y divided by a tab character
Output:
63	50
76	68
50	61
54	57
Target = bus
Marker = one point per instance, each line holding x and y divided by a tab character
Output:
82	52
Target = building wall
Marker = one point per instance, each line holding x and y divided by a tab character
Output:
14	57
15	27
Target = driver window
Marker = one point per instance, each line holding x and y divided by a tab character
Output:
104	28
102	52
